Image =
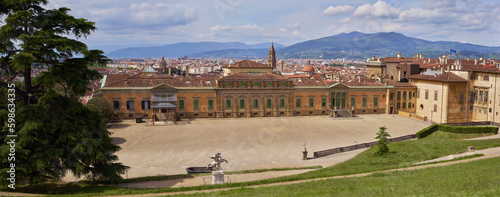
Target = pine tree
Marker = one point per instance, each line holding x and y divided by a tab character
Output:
381	146
56	133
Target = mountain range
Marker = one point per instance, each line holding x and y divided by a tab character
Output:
353	45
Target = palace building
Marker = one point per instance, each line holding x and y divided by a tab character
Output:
250	89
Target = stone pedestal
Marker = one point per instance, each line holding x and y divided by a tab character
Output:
304	155
217	177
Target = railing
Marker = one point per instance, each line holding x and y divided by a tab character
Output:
359	146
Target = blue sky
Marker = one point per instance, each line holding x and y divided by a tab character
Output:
126	23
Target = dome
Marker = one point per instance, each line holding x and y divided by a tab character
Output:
163	63
308	68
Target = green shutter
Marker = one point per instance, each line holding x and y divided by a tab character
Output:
269	103
353	101
311	102
228	103
282	84
323	102
210	104
298	102
255	84
242	84
282	103
228	84
364	101
256	103
242	103
181	104
398	105
375	101
195	104
410	96
269	84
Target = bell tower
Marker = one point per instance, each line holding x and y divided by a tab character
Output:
272	57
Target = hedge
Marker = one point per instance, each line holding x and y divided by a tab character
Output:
427	131
464	129
456	129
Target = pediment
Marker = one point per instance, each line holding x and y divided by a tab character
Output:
163	88
339	86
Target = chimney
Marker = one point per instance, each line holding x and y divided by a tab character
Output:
475	62
373	57
420	56
442	70
282	64
399	55
308	62
481	58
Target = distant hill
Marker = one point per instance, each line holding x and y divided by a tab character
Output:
357	45
354	45
186	48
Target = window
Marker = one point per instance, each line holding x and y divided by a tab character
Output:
298	102
116	105
398	105
486	96
181	104
375	101
196	104
426	94
418	93
228	103
399	95
391	96
471	97
435	108
282	103
242	84
323	102
404	105
461	97
242	103
228	84
476	94
480	95
255	84
435	95
269	103
486	78
404	95
130	105
410	96
409	105
353	101
256	103
269	84
282	84
311	102
210	104
146	104
364	101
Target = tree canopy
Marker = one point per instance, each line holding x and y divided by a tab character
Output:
56	133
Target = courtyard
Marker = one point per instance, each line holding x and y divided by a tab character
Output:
247	143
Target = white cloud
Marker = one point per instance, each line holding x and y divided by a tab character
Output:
419	14
378	9
439	4
345	20
296	34
338	10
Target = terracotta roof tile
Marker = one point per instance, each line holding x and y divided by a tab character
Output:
310	82
396	59
445	77
246	64
254	77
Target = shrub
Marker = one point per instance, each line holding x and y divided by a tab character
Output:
427	131
468	129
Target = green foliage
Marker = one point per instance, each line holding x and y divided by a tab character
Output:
427	131
382	141
456	129
465	129
100	105
58	134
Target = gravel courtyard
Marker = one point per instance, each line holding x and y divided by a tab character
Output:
247	143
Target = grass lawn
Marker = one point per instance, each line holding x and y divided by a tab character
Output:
477	178
402	154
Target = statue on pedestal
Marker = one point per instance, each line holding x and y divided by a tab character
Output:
217	173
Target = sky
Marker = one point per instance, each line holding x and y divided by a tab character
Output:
133	23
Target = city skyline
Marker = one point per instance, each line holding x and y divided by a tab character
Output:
151	22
